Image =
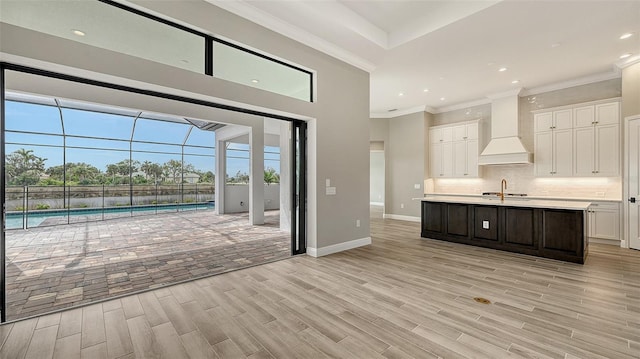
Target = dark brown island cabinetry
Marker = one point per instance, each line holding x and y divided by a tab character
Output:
544	232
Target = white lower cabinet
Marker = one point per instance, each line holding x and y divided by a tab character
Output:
604	220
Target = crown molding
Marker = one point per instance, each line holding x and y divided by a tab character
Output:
614	74
398	113
500	95
272	23
628	62
462	106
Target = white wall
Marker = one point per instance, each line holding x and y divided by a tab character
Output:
236	197
338	125
376	179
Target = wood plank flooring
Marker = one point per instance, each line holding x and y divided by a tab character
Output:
401	297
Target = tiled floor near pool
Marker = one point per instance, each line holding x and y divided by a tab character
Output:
51	268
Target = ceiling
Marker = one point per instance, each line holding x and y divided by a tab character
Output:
439	55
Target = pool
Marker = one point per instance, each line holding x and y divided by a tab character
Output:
16	220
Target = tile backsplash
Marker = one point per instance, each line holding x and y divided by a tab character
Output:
520	179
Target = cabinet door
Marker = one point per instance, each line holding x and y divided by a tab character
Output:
435	160
543	161
472	131
435	135
447	159
608	113
459	132
543	121
563	152
459	158
605	224
584	151
584	116
472	158
563	119
447	134
607	150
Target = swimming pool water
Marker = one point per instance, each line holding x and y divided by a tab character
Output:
35	218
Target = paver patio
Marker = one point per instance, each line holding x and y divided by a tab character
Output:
51	268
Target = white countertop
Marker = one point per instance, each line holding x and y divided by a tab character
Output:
511	202
546	198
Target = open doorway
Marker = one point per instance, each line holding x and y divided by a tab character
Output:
377	179
110	192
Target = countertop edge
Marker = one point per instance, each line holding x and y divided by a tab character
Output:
545	198
528	203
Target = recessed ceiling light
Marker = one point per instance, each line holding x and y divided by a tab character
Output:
515	81
78	32
255	81
401	94
441	98
425	90
626	36
502	69
624	56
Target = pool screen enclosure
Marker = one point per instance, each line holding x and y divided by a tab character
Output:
297	161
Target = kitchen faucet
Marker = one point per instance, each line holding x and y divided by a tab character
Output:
503	186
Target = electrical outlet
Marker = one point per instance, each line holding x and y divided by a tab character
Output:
485	224
358	223
401	205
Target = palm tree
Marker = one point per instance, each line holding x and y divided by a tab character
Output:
24	167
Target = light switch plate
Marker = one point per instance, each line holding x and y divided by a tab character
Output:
485	224
331	191
416	186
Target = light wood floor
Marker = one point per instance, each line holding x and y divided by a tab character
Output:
401	297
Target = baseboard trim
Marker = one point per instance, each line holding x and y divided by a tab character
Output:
613	242
401	217
335	248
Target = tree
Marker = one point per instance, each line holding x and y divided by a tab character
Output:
207	177
240	177
23	167
172	170
112	170
270	176
82	172
155	171
146	168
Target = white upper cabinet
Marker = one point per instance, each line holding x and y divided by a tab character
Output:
553	120
454	150
440	134
597	140
553	143
579	140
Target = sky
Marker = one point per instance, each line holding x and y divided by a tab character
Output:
118	130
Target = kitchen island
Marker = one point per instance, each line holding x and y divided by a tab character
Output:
545	228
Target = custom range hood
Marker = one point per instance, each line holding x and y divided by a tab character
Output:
505	147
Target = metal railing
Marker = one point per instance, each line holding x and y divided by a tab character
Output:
37	206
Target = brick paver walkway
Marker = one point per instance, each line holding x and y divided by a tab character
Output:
51	268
